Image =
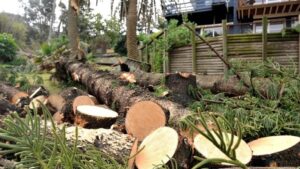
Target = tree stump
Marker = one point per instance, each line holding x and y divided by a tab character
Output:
179	84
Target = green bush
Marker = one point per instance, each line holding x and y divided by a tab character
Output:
120	47
8	47
47	49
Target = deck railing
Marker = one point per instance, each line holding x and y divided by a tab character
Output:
183	6
242	3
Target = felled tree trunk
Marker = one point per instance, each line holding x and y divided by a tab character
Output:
106	88
231	87
12	94
110	142
143	79
6	107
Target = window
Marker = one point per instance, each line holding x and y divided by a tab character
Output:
275	26
273	1
258	2
257	28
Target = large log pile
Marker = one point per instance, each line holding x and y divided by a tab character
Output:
106	88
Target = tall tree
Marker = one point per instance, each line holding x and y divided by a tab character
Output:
73	33
52	20
131	23
146	14
37	14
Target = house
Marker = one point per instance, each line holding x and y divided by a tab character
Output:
243	16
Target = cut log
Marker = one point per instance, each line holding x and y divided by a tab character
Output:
37	101
133	154
207	149
112	143
35	91
55	103
231	87
6	107
11	93
142	78
275	151
69	95
179	84
105	87
144	117
94	117
82	100
58	117
157	148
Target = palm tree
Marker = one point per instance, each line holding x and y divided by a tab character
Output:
131	23
128	9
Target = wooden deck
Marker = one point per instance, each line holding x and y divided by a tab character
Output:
271	10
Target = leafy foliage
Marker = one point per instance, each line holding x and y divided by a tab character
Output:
175	36
48	49
15	25
8	47
120	47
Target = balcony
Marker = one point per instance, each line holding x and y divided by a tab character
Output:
189	6
256	9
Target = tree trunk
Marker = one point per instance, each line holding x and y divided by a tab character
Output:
179	85
52	21
131	22
73	30
110	142
12	94
107	89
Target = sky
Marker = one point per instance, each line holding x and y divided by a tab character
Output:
14	6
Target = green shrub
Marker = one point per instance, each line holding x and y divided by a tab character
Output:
120	47
48	49
18	61
8	47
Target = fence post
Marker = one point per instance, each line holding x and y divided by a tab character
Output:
299	47
166	54
264	37
225	47
194	52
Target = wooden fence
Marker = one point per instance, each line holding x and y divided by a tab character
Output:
198	58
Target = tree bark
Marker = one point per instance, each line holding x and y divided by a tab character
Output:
110	142
107	89
180	85
131	22
13	94
52	21
72	27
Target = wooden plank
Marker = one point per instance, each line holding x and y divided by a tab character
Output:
194	52
264	37
299	48
225	45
